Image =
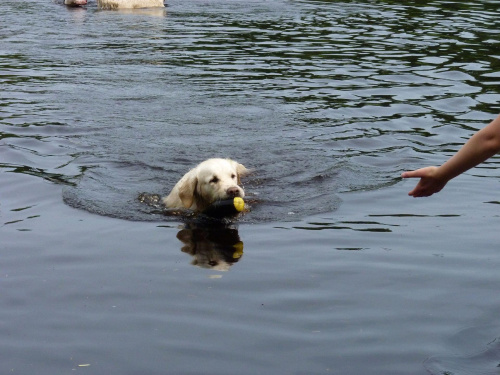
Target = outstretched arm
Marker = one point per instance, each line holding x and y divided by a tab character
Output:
481	146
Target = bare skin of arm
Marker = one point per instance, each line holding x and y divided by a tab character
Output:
481	146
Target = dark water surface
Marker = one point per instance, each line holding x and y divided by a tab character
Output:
334	271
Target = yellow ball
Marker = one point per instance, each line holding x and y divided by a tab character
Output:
239	204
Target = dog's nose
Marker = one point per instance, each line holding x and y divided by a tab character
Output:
233	191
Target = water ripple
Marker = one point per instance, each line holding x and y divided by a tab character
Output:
318	96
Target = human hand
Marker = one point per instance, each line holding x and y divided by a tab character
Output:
430	181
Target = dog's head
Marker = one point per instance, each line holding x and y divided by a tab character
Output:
212	180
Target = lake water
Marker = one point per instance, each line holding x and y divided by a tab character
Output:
335	270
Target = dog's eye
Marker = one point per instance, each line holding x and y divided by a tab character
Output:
233	175
214	180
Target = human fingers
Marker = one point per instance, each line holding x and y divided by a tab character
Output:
429	172
427	187
422	172
416	192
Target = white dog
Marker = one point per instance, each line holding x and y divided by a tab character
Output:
211	180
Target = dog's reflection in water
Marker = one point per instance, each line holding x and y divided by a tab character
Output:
213	246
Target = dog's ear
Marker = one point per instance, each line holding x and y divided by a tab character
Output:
187	189
242	171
